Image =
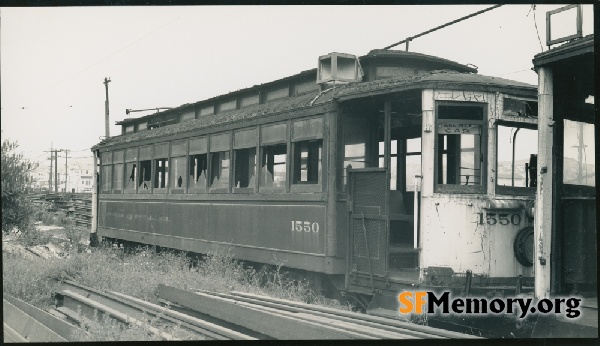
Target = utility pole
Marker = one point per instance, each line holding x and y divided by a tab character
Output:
66	168
50	176
106	121
55	170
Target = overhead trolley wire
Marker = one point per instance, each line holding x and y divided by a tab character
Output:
407	40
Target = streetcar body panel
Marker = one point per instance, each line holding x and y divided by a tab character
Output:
359	180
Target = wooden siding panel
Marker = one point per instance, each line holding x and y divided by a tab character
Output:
310	128
256	225
245	138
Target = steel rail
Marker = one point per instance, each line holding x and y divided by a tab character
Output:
196	324
368	329
364	317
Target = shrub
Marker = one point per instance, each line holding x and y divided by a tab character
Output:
33	237
28	280
16	207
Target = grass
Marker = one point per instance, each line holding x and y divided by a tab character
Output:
138	274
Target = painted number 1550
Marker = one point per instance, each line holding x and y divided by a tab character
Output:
500	218
305	226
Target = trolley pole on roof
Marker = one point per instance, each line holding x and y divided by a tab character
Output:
408	39
106	121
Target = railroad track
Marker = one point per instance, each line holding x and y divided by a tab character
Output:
203	315
284	319
75	300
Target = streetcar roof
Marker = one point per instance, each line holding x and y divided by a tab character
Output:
439	79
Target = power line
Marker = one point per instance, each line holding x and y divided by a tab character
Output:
536	28
407	40
108	56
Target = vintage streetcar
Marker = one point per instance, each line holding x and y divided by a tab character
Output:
368	174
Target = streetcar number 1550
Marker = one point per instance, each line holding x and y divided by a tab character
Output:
305	226
500	218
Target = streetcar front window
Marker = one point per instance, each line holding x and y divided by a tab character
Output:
516	157
460	148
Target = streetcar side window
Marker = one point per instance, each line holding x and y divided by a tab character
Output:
245	167
145	174
307	161
105	171
145	169
131	168
177	165
273	170
307	152
244	159
161	175
220	162
274	158
197	174
118	171
219	172
177	172
460	148
198	165
516	153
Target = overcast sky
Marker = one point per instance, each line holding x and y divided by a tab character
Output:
53	60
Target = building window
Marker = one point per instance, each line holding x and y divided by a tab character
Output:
459	148
516	158
273	170
307	161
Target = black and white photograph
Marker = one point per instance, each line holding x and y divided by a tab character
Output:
298	172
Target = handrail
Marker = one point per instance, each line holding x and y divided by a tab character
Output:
416	211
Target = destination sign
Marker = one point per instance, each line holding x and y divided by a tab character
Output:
467	129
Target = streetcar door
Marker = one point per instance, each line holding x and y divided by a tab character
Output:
576	206
368	194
